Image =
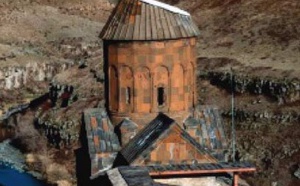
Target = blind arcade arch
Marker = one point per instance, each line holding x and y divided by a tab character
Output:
138	91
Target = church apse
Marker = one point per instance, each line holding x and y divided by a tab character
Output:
148	77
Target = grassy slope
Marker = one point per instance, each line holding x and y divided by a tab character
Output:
257	33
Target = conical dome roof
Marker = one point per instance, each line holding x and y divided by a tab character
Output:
148	20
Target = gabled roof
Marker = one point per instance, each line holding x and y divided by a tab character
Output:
208	129
103	143
203	168
146	137
143	143
148	20
212	127
100	132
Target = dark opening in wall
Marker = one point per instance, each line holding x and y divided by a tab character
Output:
161	96
128	95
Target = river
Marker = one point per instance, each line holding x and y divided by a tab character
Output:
12	177
12	166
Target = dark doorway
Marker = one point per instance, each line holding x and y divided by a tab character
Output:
161	96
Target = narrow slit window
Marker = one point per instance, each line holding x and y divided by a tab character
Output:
160	96
128	95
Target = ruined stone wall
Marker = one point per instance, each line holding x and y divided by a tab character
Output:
59	133
14	77
282	90
145	77
61	95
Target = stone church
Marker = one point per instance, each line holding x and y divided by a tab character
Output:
151	118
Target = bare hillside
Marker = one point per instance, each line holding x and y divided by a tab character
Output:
258	33
260	40
43	41
39	39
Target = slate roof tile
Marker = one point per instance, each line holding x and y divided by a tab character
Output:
209	131
103	143
143	20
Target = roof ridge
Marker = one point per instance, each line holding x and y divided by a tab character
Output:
147	132
155	131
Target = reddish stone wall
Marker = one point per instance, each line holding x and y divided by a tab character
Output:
173	149
142	119
136	69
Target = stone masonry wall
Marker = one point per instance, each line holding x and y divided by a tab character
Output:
136	70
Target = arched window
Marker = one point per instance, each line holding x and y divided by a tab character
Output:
161	96
128	95
126	89
161	89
